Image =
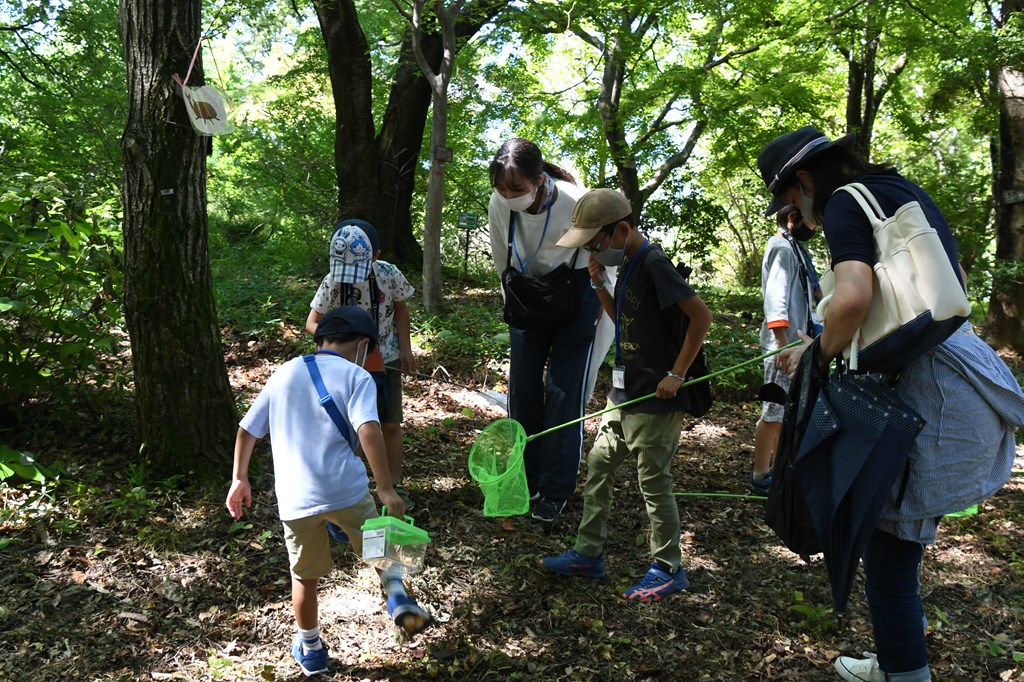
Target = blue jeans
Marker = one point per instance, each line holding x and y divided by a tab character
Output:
893	588
539	400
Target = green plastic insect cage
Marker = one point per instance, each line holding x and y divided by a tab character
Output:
393	544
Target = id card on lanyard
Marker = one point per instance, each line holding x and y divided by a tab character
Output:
619	370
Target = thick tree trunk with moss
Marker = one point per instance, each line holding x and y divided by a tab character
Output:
186	412
1006	306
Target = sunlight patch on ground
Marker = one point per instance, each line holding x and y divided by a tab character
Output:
490	402
706	431
448	483
353	598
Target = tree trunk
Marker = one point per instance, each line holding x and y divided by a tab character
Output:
377	175
185	407
1005	323
432	301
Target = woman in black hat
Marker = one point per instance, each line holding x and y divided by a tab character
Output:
968	398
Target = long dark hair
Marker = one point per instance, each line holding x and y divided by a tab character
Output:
834	168
522	157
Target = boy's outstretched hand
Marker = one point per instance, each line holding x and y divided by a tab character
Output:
239	494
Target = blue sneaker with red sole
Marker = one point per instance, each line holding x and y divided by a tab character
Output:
657	584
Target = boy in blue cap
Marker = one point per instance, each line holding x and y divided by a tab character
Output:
358	277
319	478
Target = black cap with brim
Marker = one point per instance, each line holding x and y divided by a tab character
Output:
347	319
780	158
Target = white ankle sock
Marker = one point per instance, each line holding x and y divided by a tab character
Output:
311	638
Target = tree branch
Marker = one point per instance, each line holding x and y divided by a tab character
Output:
7	57
847	10
675	161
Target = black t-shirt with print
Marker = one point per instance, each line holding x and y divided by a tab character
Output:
651	328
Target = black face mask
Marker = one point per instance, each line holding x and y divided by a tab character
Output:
802	233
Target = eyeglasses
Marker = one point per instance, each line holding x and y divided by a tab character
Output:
608	231
595	248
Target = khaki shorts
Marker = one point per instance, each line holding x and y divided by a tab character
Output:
774	412
309	545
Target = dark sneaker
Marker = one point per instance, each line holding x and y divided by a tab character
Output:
548	508
336	533
534	497
574	563
406	500
760	487
311	662
407	614
656	584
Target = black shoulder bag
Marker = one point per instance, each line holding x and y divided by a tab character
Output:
536	302
700	394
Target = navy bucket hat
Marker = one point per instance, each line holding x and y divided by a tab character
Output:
781	158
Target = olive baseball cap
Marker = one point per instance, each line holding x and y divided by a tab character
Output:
594	210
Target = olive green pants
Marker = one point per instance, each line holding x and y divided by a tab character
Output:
652	440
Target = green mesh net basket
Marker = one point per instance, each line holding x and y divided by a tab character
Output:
496	463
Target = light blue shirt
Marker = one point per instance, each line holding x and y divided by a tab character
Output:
315	469
972	405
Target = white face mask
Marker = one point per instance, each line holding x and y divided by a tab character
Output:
608	256
521	203
365	347
807	207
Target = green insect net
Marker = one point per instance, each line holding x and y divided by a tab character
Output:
496	463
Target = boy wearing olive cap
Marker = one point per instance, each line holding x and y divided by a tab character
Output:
654	347
319	478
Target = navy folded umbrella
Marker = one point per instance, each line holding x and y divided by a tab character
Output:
853	450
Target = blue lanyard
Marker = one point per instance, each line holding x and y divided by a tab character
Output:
812	275
511	233
621	286
324	351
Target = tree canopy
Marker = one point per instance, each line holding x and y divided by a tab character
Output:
669	102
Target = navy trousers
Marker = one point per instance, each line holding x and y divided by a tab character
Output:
547	384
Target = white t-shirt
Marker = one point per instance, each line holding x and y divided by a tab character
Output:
529	228
393	287
315	469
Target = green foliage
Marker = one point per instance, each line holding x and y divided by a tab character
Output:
21	464
734	338
60	281
477	334
818	618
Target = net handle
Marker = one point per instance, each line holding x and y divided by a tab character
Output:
651	395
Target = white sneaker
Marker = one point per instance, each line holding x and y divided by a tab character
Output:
859	669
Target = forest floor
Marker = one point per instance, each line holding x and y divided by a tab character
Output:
122	578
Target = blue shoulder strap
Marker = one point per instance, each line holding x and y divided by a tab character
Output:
327	402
